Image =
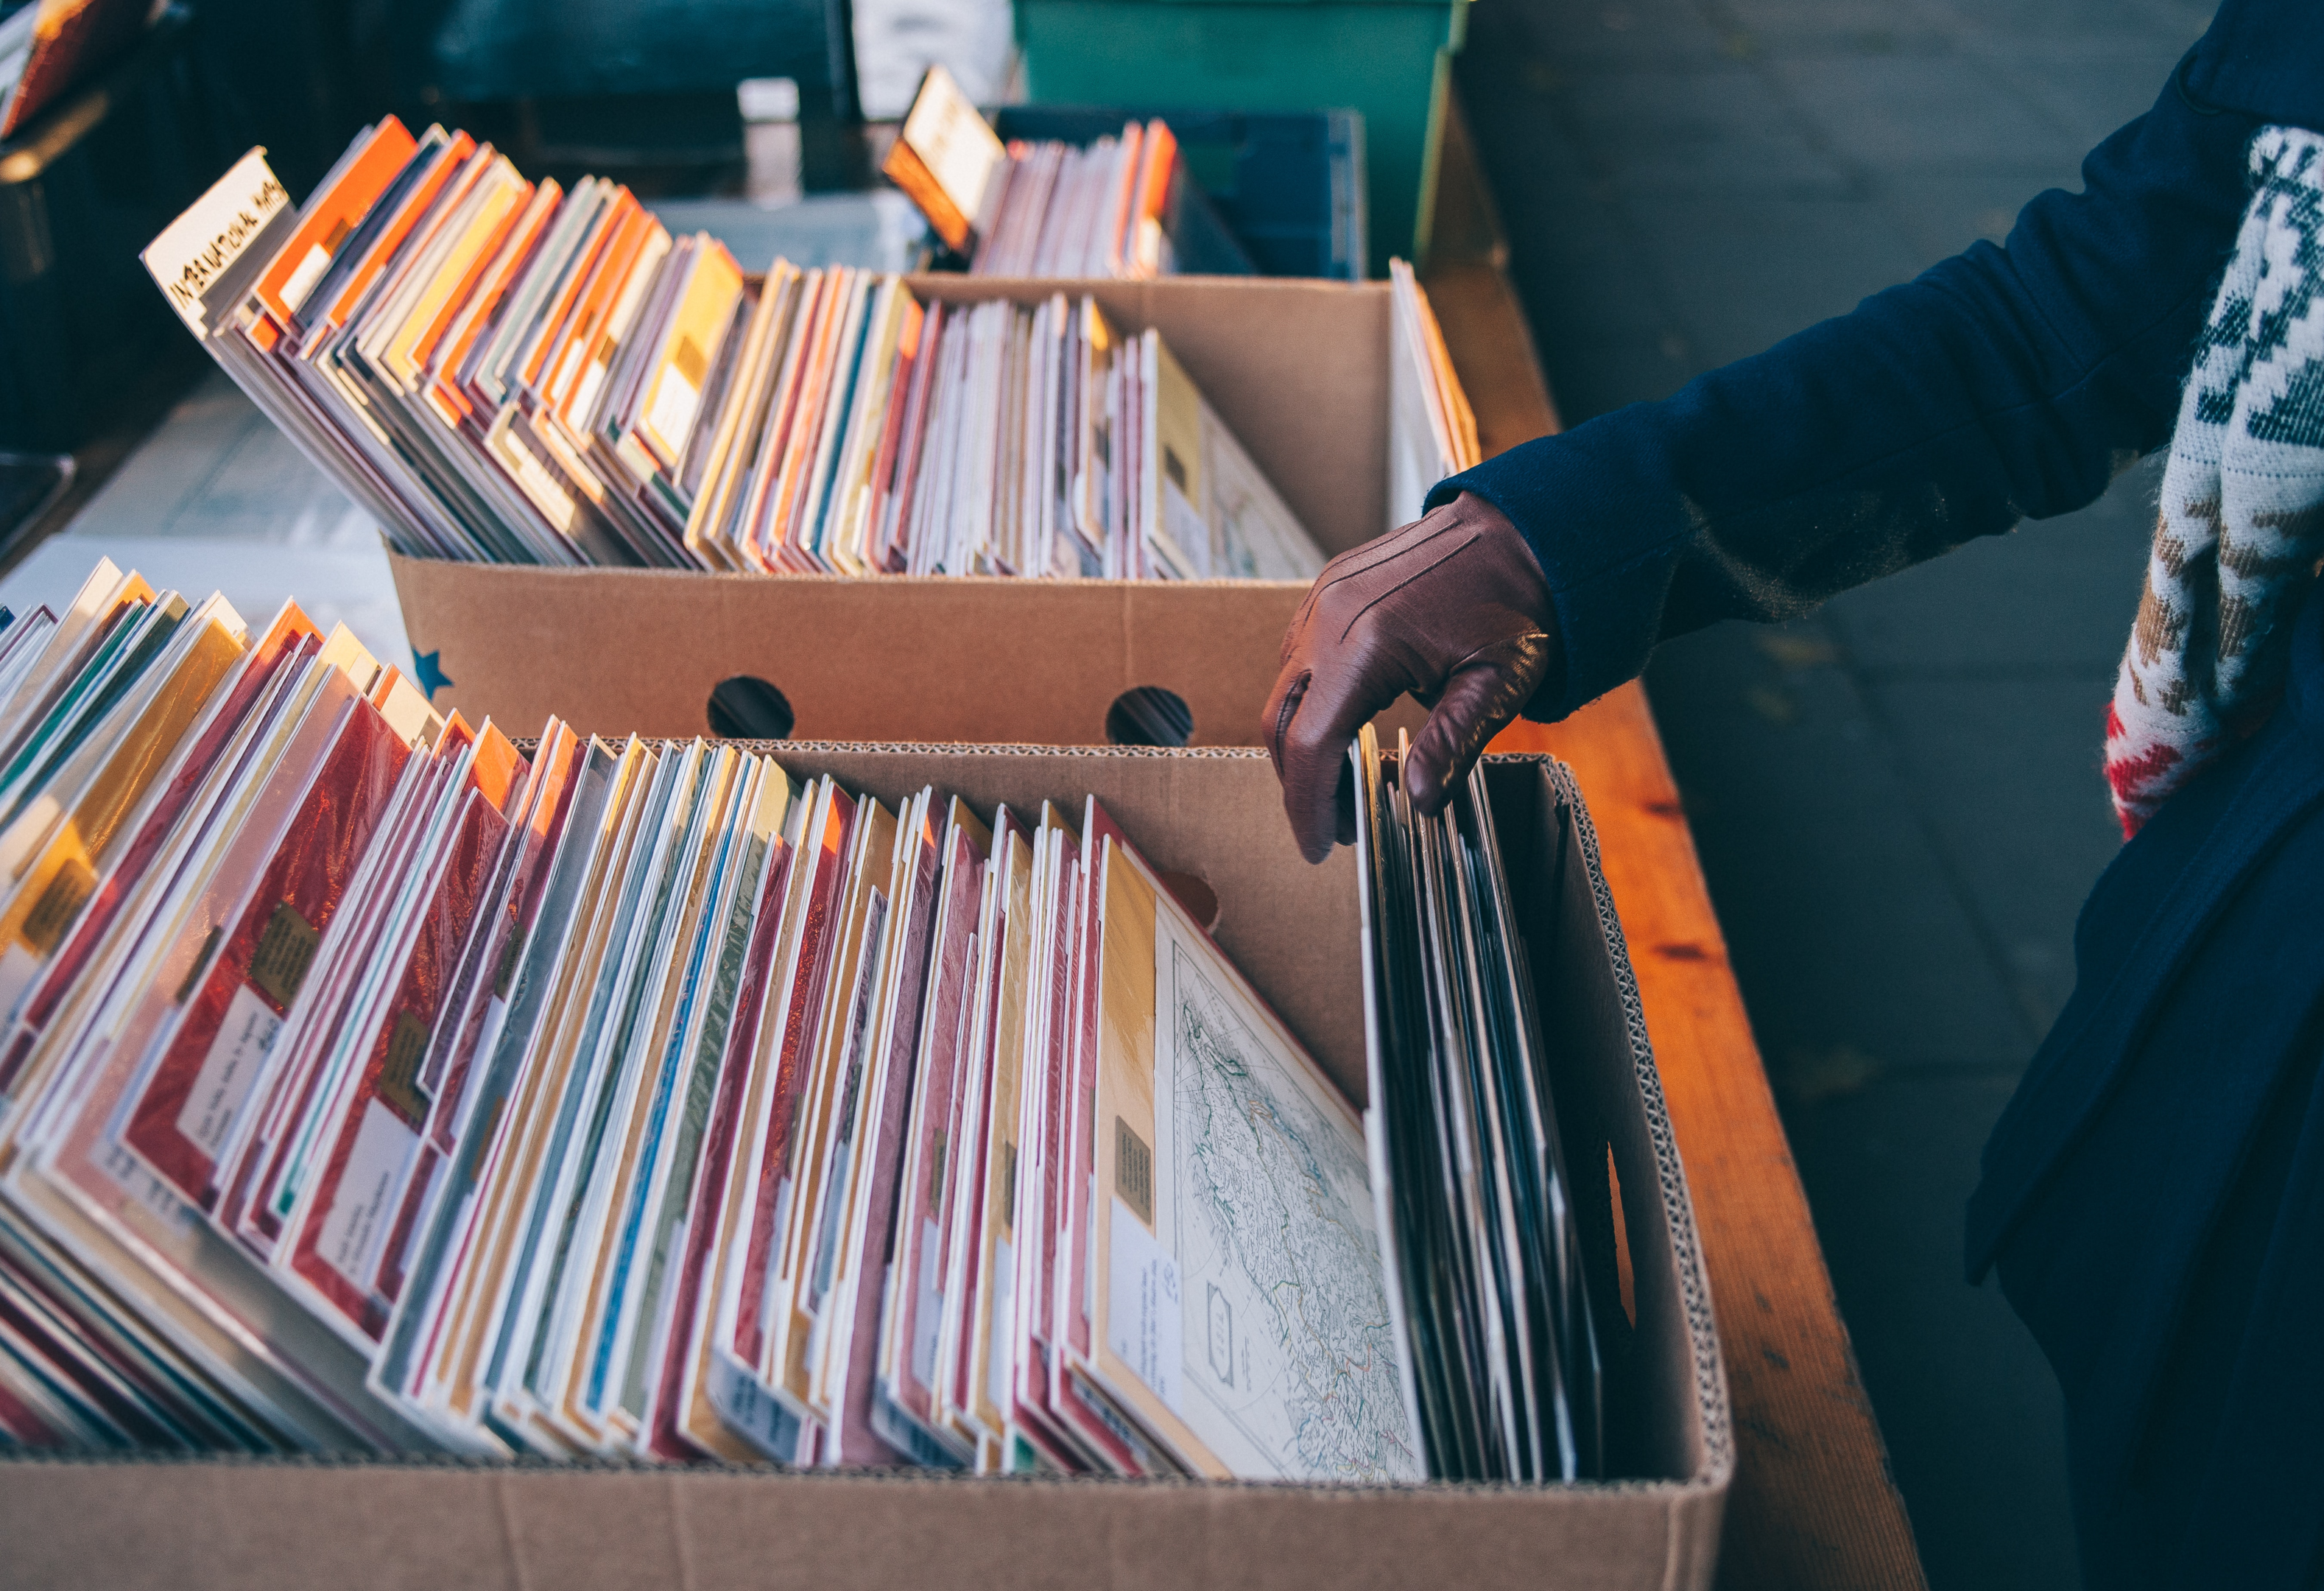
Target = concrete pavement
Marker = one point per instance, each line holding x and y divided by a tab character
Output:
1897	800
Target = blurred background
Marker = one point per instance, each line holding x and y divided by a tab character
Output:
1897	801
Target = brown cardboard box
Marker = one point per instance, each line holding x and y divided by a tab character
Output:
1293	929
1297	370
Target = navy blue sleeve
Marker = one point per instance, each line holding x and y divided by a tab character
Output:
2005	383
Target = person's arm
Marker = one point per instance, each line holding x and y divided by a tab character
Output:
2004	384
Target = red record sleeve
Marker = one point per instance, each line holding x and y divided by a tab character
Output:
944	1036
260	963
829	860
338	1244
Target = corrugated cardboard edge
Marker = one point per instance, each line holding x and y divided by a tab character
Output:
894	658
1702	1325
209	1523
193	1521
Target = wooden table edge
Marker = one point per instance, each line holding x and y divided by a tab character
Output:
1813	1502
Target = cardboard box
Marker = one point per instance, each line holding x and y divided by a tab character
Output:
1298	371
1293	929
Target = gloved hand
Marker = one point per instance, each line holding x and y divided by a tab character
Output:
1452	608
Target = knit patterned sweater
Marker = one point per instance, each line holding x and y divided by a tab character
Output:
2241	521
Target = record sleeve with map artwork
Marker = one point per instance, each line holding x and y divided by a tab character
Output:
1241	1309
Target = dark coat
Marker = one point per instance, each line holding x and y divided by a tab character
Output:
2006	382
2153	1196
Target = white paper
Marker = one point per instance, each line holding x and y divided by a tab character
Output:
674	404
1263	1201
309	272
1001	1331
929	1317
362	1207
18	967
1145	1321
237	1055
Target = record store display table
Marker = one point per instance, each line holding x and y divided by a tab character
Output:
1812	1505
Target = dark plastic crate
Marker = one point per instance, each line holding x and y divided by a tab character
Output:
82	190
1288	184
1390	59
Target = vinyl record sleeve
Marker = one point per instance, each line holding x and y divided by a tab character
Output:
1239	1310
912	1317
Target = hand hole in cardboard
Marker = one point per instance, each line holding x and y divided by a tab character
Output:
1194	892
1148	715
746	707
1625	1278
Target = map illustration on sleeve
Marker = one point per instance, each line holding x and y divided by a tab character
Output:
1289	1359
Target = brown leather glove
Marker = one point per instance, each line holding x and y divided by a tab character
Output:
1452	608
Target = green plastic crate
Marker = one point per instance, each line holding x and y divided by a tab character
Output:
1391	60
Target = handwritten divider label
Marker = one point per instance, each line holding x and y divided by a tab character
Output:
198	248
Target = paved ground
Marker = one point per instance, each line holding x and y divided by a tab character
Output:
1897	801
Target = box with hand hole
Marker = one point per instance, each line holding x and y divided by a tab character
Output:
1297	370
1209	821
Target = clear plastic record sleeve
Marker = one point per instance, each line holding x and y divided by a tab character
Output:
452	1358
742	1384
565	830
965	1226
990	1319
849	1360
699	1058
624	1062
797	1289
1076	1401
679	1421
601	1391
1042	1116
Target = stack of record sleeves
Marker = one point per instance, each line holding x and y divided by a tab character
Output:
1118	206
1469	1181
1434	431
1055	211
372	1082
502	371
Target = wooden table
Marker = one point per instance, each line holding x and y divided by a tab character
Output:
1813	1504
